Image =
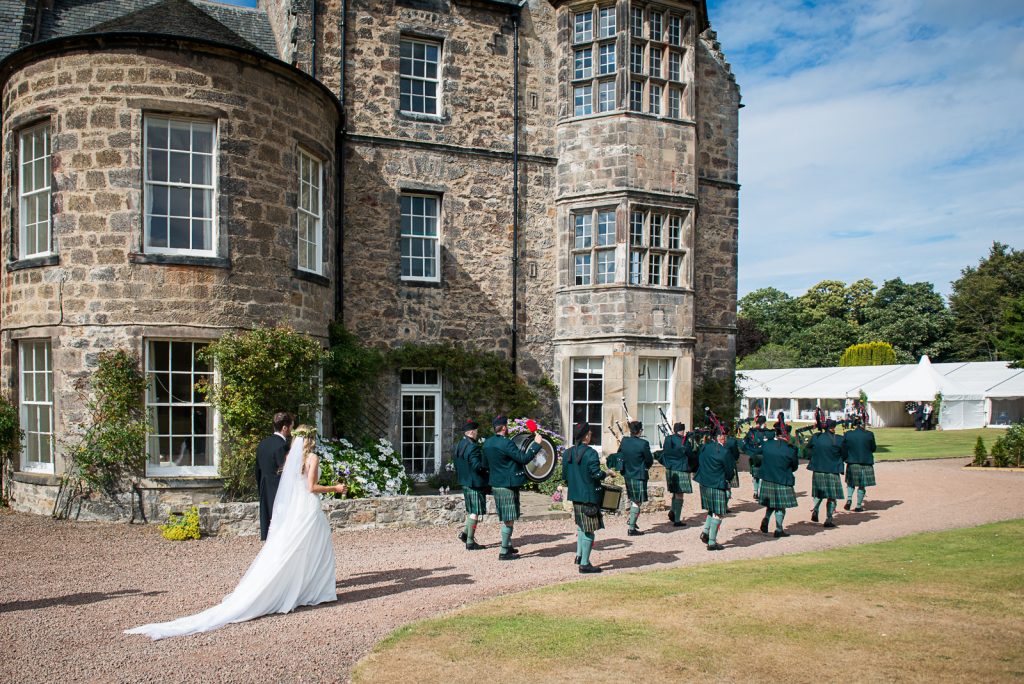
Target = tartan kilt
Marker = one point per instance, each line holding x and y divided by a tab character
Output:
636	490
476	501
827	486
735	481
506	501
775	495
678	482
712	500
860	475
585	522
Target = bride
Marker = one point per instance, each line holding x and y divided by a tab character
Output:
294	568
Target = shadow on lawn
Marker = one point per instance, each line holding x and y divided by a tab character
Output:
396	582
81	599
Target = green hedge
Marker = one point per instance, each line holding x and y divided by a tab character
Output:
869	354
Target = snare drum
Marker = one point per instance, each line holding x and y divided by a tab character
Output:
611	497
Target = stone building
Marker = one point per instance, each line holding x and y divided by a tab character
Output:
552	180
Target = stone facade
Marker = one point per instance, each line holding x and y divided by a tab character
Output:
336	93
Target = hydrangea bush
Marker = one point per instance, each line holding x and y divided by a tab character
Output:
373	471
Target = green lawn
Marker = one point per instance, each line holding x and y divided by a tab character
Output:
898	444
932	607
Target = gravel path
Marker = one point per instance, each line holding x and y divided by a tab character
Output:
67	590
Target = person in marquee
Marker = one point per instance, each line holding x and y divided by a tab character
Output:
826	449
507	465
779	460
472	474
637	459
675	456
716	469
860	463
581	471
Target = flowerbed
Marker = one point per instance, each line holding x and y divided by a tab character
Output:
375	470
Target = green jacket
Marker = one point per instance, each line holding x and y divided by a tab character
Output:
507	463
826	453
675	453
860	446
636	458
469	464
717	465
756	438
779	460
581	470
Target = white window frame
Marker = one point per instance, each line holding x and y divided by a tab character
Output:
636	95
657	241
310	212
605	266
153	407
587	408
675	30
32	159
606	22
606	59
592	241
37	406
583	63
411	77
583	27
211	187
675	103
654	373
606	96
654	99
436	238
432	390
583	100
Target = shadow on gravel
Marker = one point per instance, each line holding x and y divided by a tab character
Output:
881	505
396	582
640	559
73	599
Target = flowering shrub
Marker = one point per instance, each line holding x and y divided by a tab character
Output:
374	471
182	527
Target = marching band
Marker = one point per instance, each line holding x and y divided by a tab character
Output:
707	455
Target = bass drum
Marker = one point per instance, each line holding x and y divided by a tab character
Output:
542	467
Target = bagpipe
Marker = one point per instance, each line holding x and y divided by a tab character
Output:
542	467
780	423
664	427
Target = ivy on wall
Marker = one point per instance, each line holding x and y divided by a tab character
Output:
10	444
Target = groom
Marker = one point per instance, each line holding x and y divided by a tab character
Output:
270	455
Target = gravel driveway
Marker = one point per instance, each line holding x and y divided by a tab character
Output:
67	590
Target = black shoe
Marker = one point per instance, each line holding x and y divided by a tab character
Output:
678	523
780	533
704	537
764	525
829	523
671	516
847	505
728	510
587	569
462	536
513	549
634	533
858	509
577	561
473	546
715	547
508	556
814	516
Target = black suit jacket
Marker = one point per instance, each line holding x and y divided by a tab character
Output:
270	456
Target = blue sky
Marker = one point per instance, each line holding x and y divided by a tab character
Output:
880	138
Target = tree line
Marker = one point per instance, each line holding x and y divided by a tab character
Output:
982	321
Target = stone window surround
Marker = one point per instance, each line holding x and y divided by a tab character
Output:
423	33
420	188
625	74
16	125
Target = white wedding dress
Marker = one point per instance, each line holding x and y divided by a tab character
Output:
294	568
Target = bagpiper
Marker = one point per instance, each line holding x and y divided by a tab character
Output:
507	474
860	463
779	460
581	471
636	458
756	436
716	469
472	474
826	462
675	455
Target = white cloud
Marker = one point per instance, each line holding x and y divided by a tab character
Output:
880	138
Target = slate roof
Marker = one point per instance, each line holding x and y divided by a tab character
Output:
237	26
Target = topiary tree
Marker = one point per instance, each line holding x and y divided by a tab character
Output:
868	354
259	372
980	455
11	435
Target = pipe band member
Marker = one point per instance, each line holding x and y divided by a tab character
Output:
581	471
507	465
636	458
733	445
826	451
716	469
778	461
473	478
675	455
756	436
860	463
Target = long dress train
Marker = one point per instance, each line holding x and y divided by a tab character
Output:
294	568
